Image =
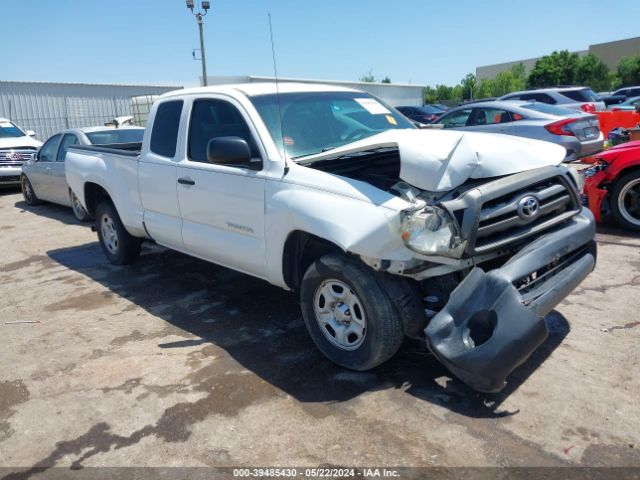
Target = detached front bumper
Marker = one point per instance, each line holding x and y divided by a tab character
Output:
494	320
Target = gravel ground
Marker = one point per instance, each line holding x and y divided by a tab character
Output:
176	362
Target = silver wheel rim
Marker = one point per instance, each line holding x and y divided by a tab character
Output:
26	185
629	202
109	234
78	209
340	315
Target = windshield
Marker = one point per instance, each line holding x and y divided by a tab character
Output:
429	110
582	95
315	122
9	130
116	135
549	109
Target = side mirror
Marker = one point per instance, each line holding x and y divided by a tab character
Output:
31	133
229	151
34	157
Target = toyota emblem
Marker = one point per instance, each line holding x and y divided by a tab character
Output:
528	208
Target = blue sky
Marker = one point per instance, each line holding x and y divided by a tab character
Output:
411	41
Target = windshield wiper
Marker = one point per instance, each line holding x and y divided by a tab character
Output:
357	154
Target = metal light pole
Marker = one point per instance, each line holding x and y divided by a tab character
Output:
199	18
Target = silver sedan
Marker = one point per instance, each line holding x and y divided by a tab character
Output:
579	133
43	176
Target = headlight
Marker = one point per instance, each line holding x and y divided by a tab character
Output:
431	231
591	171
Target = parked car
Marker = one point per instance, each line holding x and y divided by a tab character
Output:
612	185
330	193
621	95
579	133
16	147
575	98
43	178
425	114
631	104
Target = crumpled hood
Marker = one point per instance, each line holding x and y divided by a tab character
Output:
438	161
19	142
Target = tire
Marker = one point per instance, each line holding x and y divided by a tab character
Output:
28	192
78	210
118	245
363	331
625	201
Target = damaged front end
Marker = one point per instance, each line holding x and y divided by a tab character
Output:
494	319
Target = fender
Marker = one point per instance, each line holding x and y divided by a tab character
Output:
124	194
355	225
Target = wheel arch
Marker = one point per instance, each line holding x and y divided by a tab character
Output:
93	195
300	250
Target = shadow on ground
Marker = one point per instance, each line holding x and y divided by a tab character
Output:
51	210
260	326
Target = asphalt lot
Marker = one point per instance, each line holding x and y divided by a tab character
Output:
173	361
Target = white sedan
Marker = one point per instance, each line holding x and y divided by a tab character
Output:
43	176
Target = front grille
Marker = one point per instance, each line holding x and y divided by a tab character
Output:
15	157
500	224
534	282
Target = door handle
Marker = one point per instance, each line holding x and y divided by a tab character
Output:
186	181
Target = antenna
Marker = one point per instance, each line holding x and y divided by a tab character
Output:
275	71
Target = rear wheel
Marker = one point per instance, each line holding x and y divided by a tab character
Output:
28	192
351	319
625	201
118	245
78	210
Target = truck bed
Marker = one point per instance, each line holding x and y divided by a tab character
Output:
129	149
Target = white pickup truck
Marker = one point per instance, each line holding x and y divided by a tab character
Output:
466	240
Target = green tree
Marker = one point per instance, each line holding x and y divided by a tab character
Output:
429	94
385	80
559	68
629	71
444	92
469	86
593	72
368	77
485	88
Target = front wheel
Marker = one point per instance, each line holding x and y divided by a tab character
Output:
625	201
78	210
118	245
28	192
350	318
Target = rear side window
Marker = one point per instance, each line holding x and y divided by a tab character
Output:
69	139
165	129
633	92
491	116
584	95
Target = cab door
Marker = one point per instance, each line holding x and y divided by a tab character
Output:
57	181
222	206
157	176
39	173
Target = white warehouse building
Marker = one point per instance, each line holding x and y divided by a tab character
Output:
48	108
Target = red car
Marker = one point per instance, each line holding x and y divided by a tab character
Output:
612	185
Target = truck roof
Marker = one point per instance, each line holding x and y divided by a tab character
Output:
261	88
